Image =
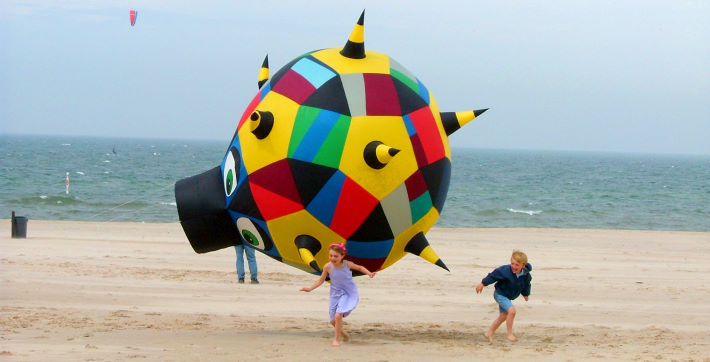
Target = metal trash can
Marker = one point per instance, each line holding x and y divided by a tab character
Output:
19	227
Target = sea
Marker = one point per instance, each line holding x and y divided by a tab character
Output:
120	179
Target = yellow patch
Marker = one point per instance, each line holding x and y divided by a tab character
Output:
389	130
258	153
372	63
442	133
284	233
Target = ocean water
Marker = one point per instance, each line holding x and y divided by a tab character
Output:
133	180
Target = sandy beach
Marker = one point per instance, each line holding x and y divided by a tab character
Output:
121	291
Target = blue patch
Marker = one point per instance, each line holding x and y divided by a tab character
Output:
315	136
264	90
322	207
423	92
369	249
313	72
411	131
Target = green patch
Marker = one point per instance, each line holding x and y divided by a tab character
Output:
406	80
304	119
420	206
332	148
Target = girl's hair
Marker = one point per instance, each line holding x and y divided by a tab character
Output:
339	247
520	257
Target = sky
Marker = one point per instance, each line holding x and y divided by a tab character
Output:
597	75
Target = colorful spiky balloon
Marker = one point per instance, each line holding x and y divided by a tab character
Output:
340	145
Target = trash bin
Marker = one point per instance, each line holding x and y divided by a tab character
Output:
19	226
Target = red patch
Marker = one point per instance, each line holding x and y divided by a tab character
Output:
294	86
249	110
272	205
354	206
275	191
372	265
416	185
418	149
428	134
381	95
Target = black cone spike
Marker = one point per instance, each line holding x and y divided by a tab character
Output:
479	112
355	47
264	72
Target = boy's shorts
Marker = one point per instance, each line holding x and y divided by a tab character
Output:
503	302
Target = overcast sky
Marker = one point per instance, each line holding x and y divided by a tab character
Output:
620	76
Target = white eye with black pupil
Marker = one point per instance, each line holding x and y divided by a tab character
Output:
250	233
231	172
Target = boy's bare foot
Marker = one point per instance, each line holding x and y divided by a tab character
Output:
489	336
512	338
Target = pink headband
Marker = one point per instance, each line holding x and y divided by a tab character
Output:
339	245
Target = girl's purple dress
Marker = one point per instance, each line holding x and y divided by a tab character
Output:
343	291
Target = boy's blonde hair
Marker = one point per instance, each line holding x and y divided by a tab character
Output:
520	257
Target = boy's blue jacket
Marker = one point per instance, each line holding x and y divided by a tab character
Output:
507	283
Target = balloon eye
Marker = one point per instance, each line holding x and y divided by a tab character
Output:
231	171
250	238
253	234
230	181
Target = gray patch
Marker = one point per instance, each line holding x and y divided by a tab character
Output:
398	67
397	209
354	87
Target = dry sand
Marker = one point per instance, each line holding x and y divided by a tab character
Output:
121	291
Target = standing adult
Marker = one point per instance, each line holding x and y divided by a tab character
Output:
251	260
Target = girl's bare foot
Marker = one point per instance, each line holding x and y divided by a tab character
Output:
336	343
346	337
489	336
512	338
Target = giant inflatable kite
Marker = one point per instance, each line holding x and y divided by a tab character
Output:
340	145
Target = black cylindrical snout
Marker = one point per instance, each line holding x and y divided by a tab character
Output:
200	203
